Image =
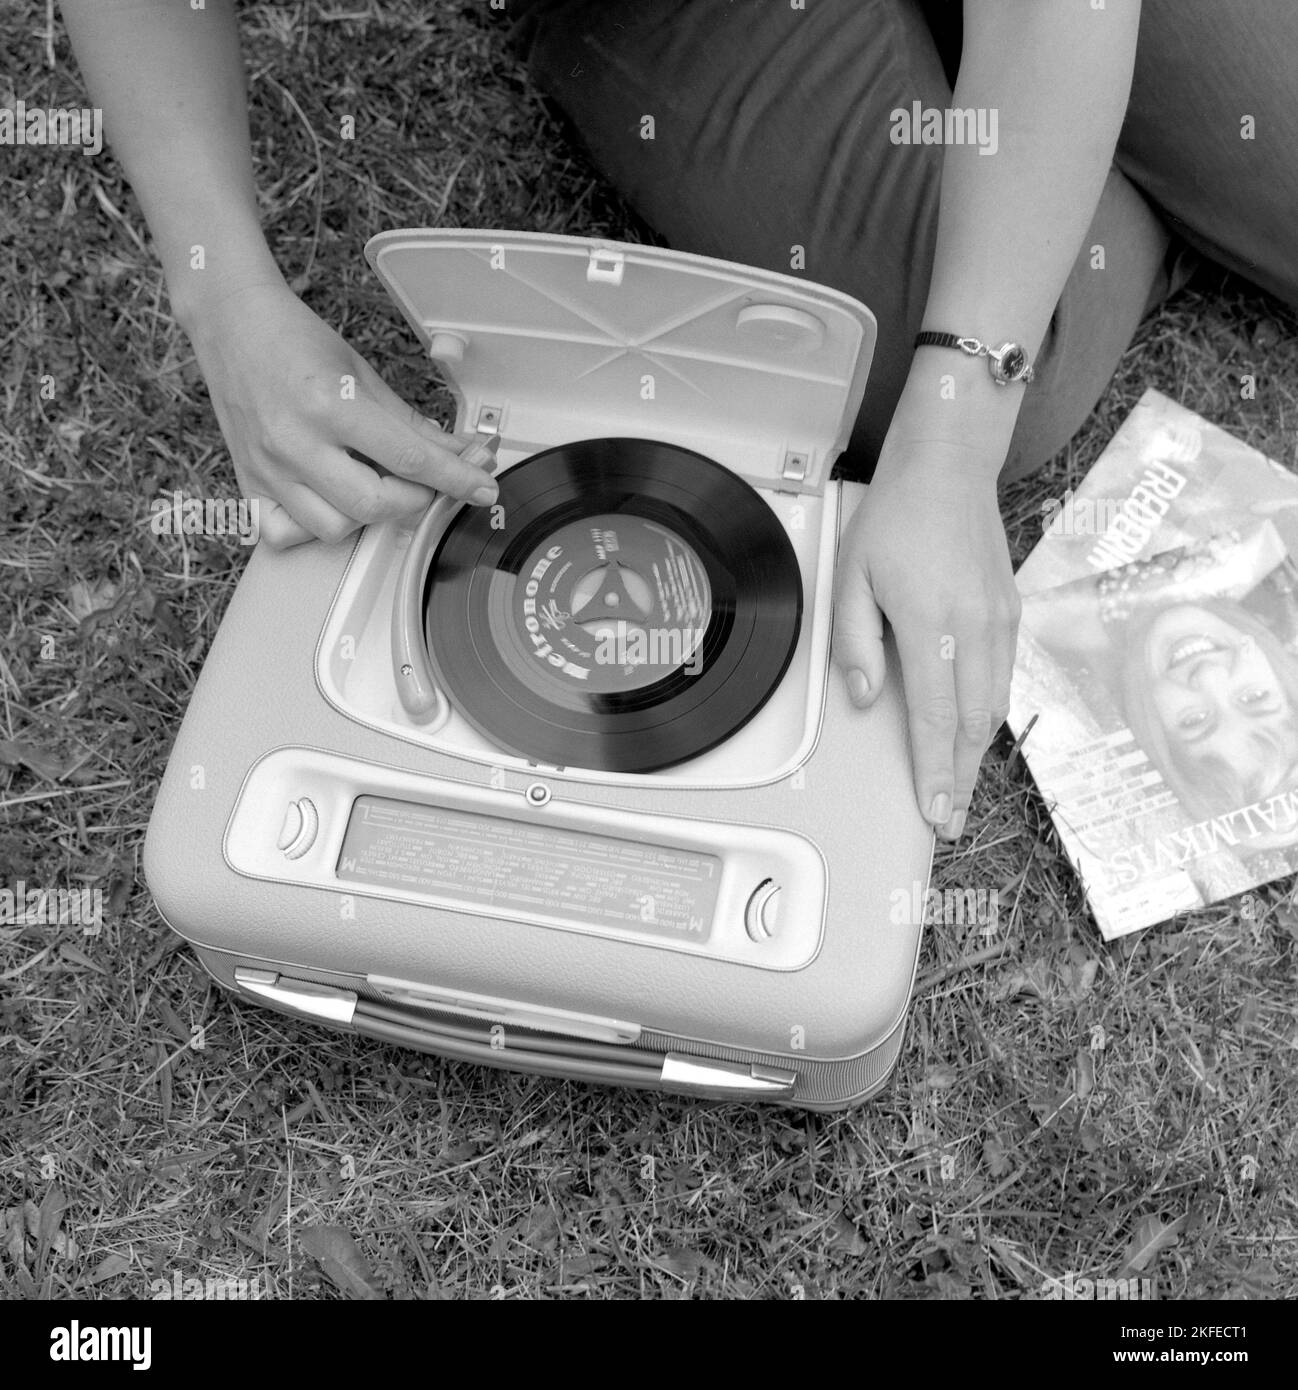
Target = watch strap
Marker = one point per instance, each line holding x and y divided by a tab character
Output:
927	339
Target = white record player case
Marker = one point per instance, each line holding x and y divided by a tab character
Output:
336	841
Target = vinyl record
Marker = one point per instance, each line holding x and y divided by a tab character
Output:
625	605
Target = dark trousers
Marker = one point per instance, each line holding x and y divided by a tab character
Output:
772	131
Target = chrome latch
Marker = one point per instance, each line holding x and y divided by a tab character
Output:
794	469
489	418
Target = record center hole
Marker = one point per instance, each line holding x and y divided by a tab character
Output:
617	582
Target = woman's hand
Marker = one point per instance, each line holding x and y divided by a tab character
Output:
292	399
926	549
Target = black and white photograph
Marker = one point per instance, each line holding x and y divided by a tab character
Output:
648	652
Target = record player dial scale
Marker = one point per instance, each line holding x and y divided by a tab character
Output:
746	893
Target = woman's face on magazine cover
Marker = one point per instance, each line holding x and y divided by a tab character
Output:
1218	697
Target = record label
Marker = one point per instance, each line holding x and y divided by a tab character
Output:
613	603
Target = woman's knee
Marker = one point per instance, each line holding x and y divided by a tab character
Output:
1212	127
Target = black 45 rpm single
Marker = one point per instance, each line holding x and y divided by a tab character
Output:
625	606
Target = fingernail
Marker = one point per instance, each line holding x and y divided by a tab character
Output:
940	811
956	828
858	688
484	496
479	456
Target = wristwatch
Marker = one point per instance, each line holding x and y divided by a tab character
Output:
1007	363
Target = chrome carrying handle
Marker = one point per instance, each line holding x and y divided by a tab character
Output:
577	1059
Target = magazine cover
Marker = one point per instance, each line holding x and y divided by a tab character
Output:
1162	672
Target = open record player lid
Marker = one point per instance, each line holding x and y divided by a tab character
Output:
572	338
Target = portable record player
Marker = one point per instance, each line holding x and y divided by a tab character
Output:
567	785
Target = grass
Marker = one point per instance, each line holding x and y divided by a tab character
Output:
1050	1099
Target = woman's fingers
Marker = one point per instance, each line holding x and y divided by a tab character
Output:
928	678
976	722
418	455
421	424
364	493
277	528
311	513
858	632
957	686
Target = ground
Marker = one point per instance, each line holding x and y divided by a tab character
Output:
1062	1107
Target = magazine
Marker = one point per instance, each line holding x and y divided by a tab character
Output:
1157	669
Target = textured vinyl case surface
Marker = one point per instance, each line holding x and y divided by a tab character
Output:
252	853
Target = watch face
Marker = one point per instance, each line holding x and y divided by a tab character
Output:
1013	362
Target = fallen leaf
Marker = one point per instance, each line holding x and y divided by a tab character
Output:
119	893
912	1228
69	952
17	753
84	599
15	1243
1079	973
169	1016
1032	979
1151	1238
341	1261
683	1263
845	1237
48	1234
109	1268
50	1215
1257	1281
1085	1082
995	1157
